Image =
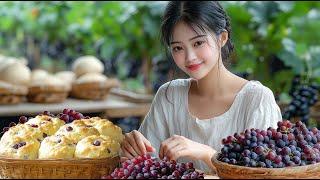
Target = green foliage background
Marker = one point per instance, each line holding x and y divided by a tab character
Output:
273	40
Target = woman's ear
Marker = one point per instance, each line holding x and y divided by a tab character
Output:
223	38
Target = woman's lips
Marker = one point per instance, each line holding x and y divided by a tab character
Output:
194	67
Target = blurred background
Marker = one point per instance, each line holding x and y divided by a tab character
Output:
276	43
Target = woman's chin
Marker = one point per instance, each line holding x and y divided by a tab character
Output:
197	76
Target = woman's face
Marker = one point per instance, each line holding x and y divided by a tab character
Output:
195	54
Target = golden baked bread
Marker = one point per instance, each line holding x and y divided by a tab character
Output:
48	125
21	148
57	147
97	147
30	131
46	136
106	128
76	131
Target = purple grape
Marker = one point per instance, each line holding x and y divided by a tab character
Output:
69	128
16	146
164	177
65	118
189	165
154	173
71	112
78	116
146	175
164	170
176	174
46	113
194	175
96	142
70	118
139	176
66	111
23	119
34	125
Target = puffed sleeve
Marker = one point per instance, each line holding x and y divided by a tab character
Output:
264	112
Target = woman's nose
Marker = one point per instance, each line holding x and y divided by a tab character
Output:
190	56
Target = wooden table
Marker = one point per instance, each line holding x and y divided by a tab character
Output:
113	107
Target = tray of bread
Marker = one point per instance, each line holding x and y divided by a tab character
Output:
67	145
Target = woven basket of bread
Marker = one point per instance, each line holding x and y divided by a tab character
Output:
56	169
68	146
92	90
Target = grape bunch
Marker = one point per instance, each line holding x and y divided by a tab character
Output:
67	115
291	144
147	167
303	97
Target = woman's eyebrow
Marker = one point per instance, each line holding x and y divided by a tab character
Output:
197	37
174	42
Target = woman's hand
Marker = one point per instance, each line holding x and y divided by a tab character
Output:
179	146
135	144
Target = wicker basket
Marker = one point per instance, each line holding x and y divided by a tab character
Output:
93	90
57	169
47	94
12	94
225	170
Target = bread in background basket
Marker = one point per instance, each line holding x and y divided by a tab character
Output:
61	146
47	88
90	82
14	80
12	94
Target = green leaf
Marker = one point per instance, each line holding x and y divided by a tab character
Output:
292	61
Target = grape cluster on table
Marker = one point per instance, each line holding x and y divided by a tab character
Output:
147	167
67	115
291	144
303	97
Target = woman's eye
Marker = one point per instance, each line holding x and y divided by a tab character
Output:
198	43
176	49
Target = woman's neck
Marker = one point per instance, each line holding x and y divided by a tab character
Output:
216	83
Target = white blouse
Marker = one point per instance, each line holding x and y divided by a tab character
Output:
254	107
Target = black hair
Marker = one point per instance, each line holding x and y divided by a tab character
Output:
203	15
208	15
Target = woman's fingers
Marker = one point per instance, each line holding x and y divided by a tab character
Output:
147	144
171	145
139	141
130	145
167	144
128	151
135	144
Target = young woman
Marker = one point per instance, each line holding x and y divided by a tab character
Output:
189	117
